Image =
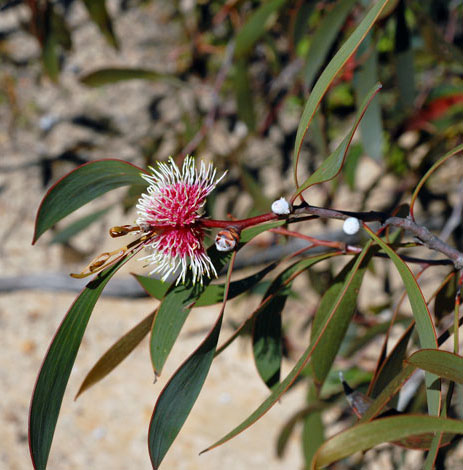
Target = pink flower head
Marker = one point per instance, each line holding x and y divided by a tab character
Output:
172	208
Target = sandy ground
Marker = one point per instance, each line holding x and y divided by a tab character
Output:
106	428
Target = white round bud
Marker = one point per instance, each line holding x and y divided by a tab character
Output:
281	207
351	226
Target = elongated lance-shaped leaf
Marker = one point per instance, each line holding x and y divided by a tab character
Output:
180	299
106	76
56	368
299	366
371	127
313	431
367	435
328	75
436	165
100	16
256	26
424	323
80	186
267	339
332	165
323	38
329	344
388	392
392	365
117	353
244	96
179	395
442	363
281	281
213	294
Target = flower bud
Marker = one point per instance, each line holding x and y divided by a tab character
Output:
281	207
226	240
351	226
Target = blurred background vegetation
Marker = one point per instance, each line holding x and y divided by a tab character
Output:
227	81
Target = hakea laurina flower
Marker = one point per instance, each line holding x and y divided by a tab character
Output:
172	208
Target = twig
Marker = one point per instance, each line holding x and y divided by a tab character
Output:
432	241
422	233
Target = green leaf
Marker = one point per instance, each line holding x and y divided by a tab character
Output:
180	299
181	391
405	69
393	363
328	75
213	294
445	298
267	330
100	16
117	353
110	75
267	337
76	227
80	186
365	436
244	95
313	431
256	26
153	287
332	165
281	388
424	323
371	127
56	368
341	312
324	37
387	393
442	363
284	279
179	395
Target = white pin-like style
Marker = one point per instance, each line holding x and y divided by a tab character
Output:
351	226
281	207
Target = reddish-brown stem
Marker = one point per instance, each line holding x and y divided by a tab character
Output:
239	224
316	242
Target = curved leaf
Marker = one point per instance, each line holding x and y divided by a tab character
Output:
424	323
328	346
181	391
80	186
328	75
267	336
442	363
323	38
100	16
365	436
388	392
117	353
392	365
213	294
56	368
256	26
180	299
297	369
332	165
371	128
281	281
106	76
